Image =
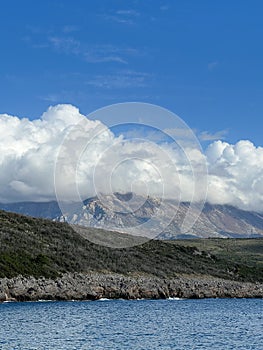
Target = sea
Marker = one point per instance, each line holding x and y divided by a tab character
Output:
139	324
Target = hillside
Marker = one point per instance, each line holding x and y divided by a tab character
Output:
40	247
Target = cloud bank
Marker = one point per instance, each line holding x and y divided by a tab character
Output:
29	150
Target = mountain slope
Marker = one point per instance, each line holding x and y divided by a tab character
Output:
214	220
46	210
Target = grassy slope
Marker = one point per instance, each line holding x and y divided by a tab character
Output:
43	248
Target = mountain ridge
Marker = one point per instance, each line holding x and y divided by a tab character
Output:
215	220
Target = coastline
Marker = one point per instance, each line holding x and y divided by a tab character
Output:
95	286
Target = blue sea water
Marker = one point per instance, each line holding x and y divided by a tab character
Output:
141	324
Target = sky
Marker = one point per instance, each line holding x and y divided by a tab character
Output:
202	60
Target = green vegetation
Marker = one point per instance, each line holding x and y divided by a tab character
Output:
41	247
245	255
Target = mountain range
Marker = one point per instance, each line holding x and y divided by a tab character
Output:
221	221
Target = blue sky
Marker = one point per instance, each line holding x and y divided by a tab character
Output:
203	59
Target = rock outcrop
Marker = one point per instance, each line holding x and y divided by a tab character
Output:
93	286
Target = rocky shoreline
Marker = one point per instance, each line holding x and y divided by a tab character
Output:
94	286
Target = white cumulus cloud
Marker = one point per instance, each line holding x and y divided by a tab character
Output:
28	150
236	174
94	159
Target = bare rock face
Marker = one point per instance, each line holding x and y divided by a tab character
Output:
92	286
